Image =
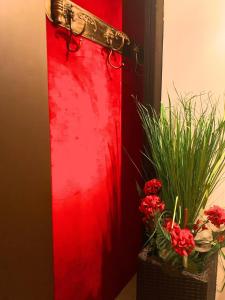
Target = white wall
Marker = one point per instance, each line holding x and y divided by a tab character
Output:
194	55
194	46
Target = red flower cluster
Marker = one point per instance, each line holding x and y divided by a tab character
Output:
152	186
182	241
168	224
150	205
216	215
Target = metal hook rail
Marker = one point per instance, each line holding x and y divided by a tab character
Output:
83	23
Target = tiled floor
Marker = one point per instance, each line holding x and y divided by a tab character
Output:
129	292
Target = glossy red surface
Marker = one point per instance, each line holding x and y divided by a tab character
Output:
95	231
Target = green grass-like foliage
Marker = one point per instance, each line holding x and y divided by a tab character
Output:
186	145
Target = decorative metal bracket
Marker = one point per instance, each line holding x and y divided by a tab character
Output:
81	22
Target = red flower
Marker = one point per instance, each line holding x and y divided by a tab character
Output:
168	224
216	215
150	205
182	241
152	186
220	238
199	226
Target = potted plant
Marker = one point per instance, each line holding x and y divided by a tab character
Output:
186	146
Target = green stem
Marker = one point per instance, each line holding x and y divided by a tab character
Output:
185	217
185	261
149	239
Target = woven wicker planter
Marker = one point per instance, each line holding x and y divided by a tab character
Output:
156	283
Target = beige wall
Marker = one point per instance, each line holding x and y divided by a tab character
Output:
26	267
194	55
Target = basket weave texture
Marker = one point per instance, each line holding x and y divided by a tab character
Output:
154	282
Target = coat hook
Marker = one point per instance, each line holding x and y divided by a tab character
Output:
121	45
70	16
74	18
68	44
110	63
113	49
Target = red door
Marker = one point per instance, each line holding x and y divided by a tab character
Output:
92	116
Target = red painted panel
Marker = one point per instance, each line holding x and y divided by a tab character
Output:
94	246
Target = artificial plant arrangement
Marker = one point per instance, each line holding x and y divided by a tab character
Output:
186	145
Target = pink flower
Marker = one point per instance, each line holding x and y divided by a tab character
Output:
216	215
150	205
152	186
182	241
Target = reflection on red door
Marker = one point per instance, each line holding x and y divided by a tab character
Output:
94	233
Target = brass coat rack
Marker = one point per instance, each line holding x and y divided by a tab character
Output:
83	23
